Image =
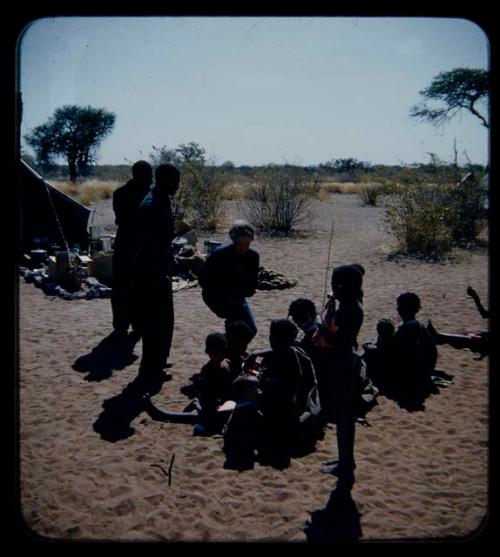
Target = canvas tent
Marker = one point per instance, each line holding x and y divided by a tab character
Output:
45	211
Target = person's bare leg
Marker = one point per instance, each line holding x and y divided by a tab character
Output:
455	341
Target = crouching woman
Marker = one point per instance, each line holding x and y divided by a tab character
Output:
229	276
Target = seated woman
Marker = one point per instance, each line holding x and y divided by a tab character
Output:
214	388
478	343
229	276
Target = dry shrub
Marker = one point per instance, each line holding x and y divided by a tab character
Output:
234	191
468	217
368	194
278	201
313	189
94	194
419	217
202	195
430	219
69	188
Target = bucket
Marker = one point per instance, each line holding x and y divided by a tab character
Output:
210	246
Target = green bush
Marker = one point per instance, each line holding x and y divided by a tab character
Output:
277	201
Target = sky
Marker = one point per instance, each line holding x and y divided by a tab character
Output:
255	90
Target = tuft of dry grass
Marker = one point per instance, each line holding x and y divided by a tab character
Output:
341	187
369	193
88	191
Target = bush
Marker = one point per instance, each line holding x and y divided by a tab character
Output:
468	216
201	195
369	193
234	191
429	219
278	201
419	218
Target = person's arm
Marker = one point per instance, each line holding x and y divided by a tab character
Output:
253	275
251	358
482	310
206	276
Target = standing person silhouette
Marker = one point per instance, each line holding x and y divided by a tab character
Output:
126	202
337	336
153	266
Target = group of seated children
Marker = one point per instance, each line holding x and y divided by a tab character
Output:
277	401
404	360
267	395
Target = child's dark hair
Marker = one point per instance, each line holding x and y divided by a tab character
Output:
385	328
246	386
239	331
302	306
348	280
215	342
283	331
359	267
408	303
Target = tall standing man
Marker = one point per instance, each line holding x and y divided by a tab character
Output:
153	266
126	202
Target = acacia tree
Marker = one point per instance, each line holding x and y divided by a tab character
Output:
455	90
74	133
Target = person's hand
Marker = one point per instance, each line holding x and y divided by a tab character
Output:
249	361
471	292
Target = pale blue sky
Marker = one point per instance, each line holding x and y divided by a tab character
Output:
255	90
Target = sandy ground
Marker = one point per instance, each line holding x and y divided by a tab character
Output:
419	474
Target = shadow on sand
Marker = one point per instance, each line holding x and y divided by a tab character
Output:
413	399
339	520
110	354
113	423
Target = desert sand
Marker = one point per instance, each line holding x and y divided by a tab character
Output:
420	474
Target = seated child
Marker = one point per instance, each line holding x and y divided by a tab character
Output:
413	351
304	314
214	387
377	355
242	431
289	401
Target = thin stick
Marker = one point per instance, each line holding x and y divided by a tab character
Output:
170	469
328	264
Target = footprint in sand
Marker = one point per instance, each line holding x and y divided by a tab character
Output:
125	507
